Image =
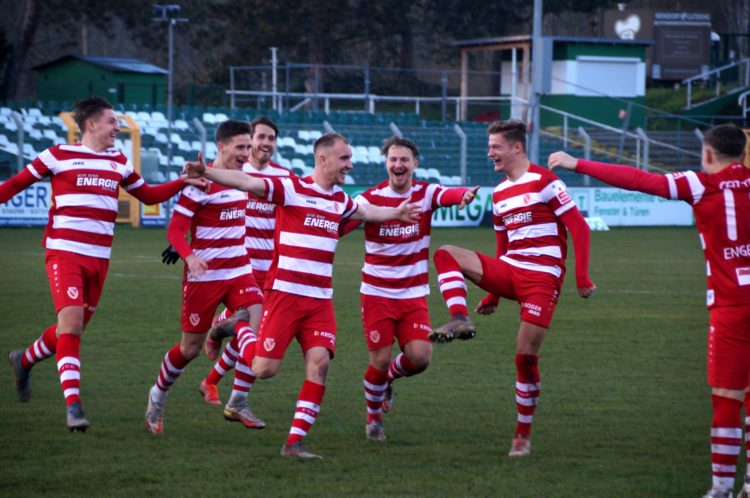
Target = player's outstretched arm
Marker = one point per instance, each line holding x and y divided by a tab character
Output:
581	234
626	177
406	212
154	194
229	178
16	184
461	196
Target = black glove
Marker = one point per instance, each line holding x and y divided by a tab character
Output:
169	256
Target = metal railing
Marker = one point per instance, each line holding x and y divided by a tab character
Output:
743	101
743	79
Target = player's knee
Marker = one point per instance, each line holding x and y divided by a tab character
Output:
264	369
190	351
421	361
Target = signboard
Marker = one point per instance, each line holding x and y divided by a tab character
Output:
614	206
28	208
683	44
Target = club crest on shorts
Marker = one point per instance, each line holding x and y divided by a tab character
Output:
269	344
72	293
375	336
194	319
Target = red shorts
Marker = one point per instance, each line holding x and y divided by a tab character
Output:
729	347
200	300
536	292
75	280
287	316
385	319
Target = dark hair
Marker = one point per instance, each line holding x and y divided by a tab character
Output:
512	130
327	140
86	109
726	140
263	120
231	128
396	141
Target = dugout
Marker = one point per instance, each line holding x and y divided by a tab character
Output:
120	80
595	78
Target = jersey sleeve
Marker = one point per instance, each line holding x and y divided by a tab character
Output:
276	189
351	207
685	186
45	164
131	180
556	196
191	199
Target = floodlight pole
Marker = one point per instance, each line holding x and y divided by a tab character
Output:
166	14
537	71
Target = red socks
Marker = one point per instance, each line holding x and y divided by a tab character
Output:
41	349
308	406
726	440
69	366
451	282
528	385
375	382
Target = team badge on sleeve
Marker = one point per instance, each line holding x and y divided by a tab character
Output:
194	319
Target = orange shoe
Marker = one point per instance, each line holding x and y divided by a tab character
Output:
210	393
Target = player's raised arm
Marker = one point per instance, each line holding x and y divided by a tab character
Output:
16	184
229	178
406	212
626	177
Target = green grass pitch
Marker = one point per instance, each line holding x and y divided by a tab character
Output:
624	409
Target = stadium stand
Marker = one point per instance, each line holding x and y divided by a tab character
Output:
438	141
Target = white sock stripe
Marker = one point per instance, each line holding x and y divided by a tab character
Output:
45	349
456	301
525	419
725	449
241	367
717	467
374	398
308	405
747	421
223	314
726	432
69	360
244	331
297	431
238	396
71	391
31	359
375	387
452	284
230	350
171	367
374	411
168	377
527	401
242	383
725	483
70	375
304	416
524	387
161	385
220	370
450	274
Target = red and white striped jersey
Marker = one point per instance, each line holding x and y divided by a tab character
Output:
721	203
529	209
260	222
217	230
307	232
396	252
85	188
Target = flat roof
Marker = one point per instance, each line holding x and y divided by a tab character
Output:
507	40
119	64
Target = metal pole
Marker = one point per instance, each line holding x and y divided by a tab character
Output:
367	87
462	156
170	96
395	129
625	125
444	94
19	138
274	78
644	137
231	85
536	80
586	151
689	93
513	84
202	132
